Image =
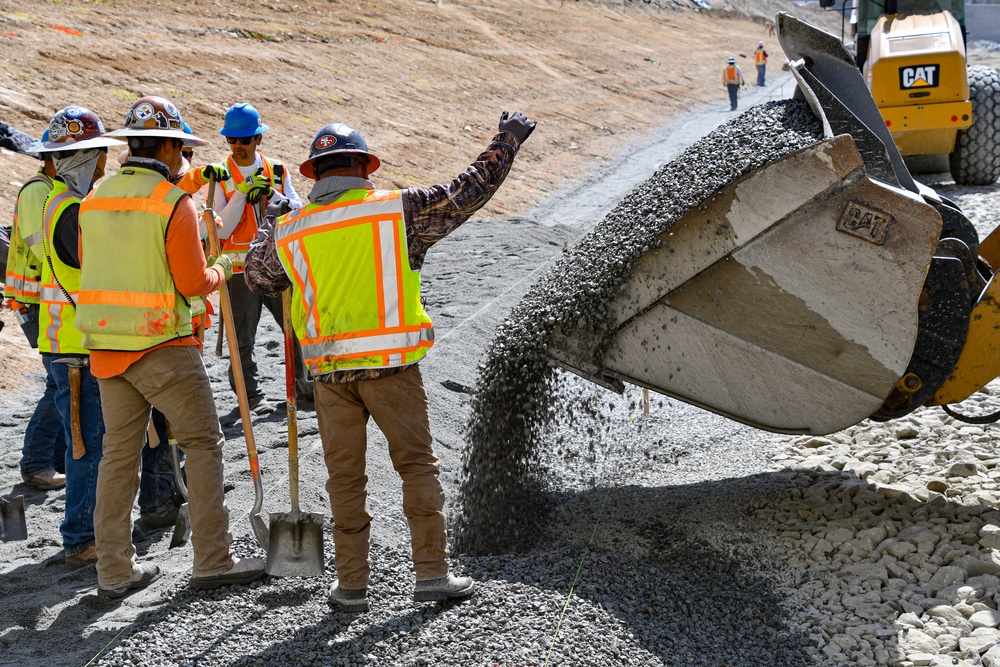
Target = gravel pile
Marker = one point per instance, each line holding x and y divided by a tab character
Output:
516	410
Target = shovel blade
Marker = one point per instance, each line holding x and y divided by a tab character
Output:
295	548
182	527
13	526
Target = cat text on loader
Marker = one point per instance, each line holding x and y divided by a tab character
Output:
821	289
912	54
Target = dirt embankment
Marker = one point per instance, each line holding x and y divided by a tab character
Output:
425	82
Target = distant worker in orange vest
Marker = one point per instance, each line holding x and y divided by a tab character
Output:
770	29
732	79
760	59
253	176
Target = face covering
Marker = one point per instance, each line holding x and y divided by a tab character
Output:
77	170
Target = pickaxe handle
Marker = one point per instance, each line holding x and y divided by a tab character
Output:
79	448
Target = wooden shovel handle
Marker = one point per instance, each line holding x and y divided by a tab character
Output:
79	448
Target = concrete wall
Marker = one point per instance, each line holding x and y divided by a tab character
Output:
982	22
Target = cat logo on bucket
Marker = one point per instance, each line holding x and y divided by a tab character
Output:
919	76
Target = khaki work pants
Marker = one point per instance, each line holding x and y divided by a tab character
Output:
398	404
173	380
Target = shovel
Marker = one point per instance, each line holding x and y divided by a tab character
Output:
256	520
13	526
296	546
182	527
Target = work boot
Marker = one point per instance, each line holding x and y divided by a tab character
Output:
46	480
443	589
83	558
163	516
243	571
259	405
141	576
348	599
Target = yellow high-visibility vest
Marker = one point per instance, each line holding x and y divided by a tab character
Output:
128	300
57	332
24	258
355	299
759	57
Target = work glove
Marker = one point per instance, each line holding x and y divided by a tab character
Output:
517	125
224	263
278	205
215	172
256	186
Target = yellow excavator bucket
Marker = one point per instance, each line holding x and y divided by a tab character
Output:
815	291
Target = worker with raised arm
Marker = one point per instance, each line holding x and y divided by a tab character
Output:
141	260
732	80
352	257
79	153
760	60
44	446
253	176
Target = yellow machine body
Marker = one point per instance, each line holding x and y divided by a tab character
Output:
916	71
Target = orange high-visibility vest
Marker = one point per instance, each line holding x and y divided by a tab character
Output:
237	244
759	57
731	75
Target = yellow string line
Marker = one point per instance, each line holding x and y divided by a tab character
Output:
583	558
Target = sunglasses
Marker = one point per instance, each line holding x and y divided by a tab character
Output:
187	154
246	141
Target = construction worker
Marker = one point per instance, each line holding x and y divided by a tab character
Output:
142	258
259	177
732	79
363	332
44	447
79	153
760	59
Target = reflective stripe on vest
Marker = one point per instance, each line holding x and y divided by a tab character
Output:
57	332
359	306
237	244
128	300
731	75
22	280
758	57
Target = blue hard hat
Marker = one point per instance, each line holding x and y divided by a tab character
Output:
242	120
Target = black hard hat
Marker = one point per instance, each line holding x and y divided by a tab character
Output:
334	139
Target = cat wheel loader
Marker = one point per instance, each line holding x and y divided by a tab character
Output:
912	55
821	289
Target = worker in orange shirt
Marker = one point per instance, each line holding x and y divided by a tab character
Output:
732	79
136	322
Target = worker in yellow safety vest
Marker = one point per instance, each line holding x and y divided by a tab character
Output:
352	258
43	450
79	153
141	260
732	80
760	60
255	179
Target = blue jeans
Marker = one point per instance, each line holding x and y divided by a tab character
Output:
44	440
760	74
156	485
81	474
734	91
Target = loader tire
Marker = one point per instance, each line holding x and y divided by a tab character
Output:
976	157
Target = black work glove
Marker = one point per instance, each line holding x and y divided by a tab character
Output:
517	125
278	205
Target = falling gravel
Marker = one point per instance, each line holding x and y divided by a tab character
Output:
520	402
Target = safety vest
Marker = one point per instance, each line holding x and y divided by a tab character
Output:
128	300
238	243
57	332
759	57
731	75
24	264
355	300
